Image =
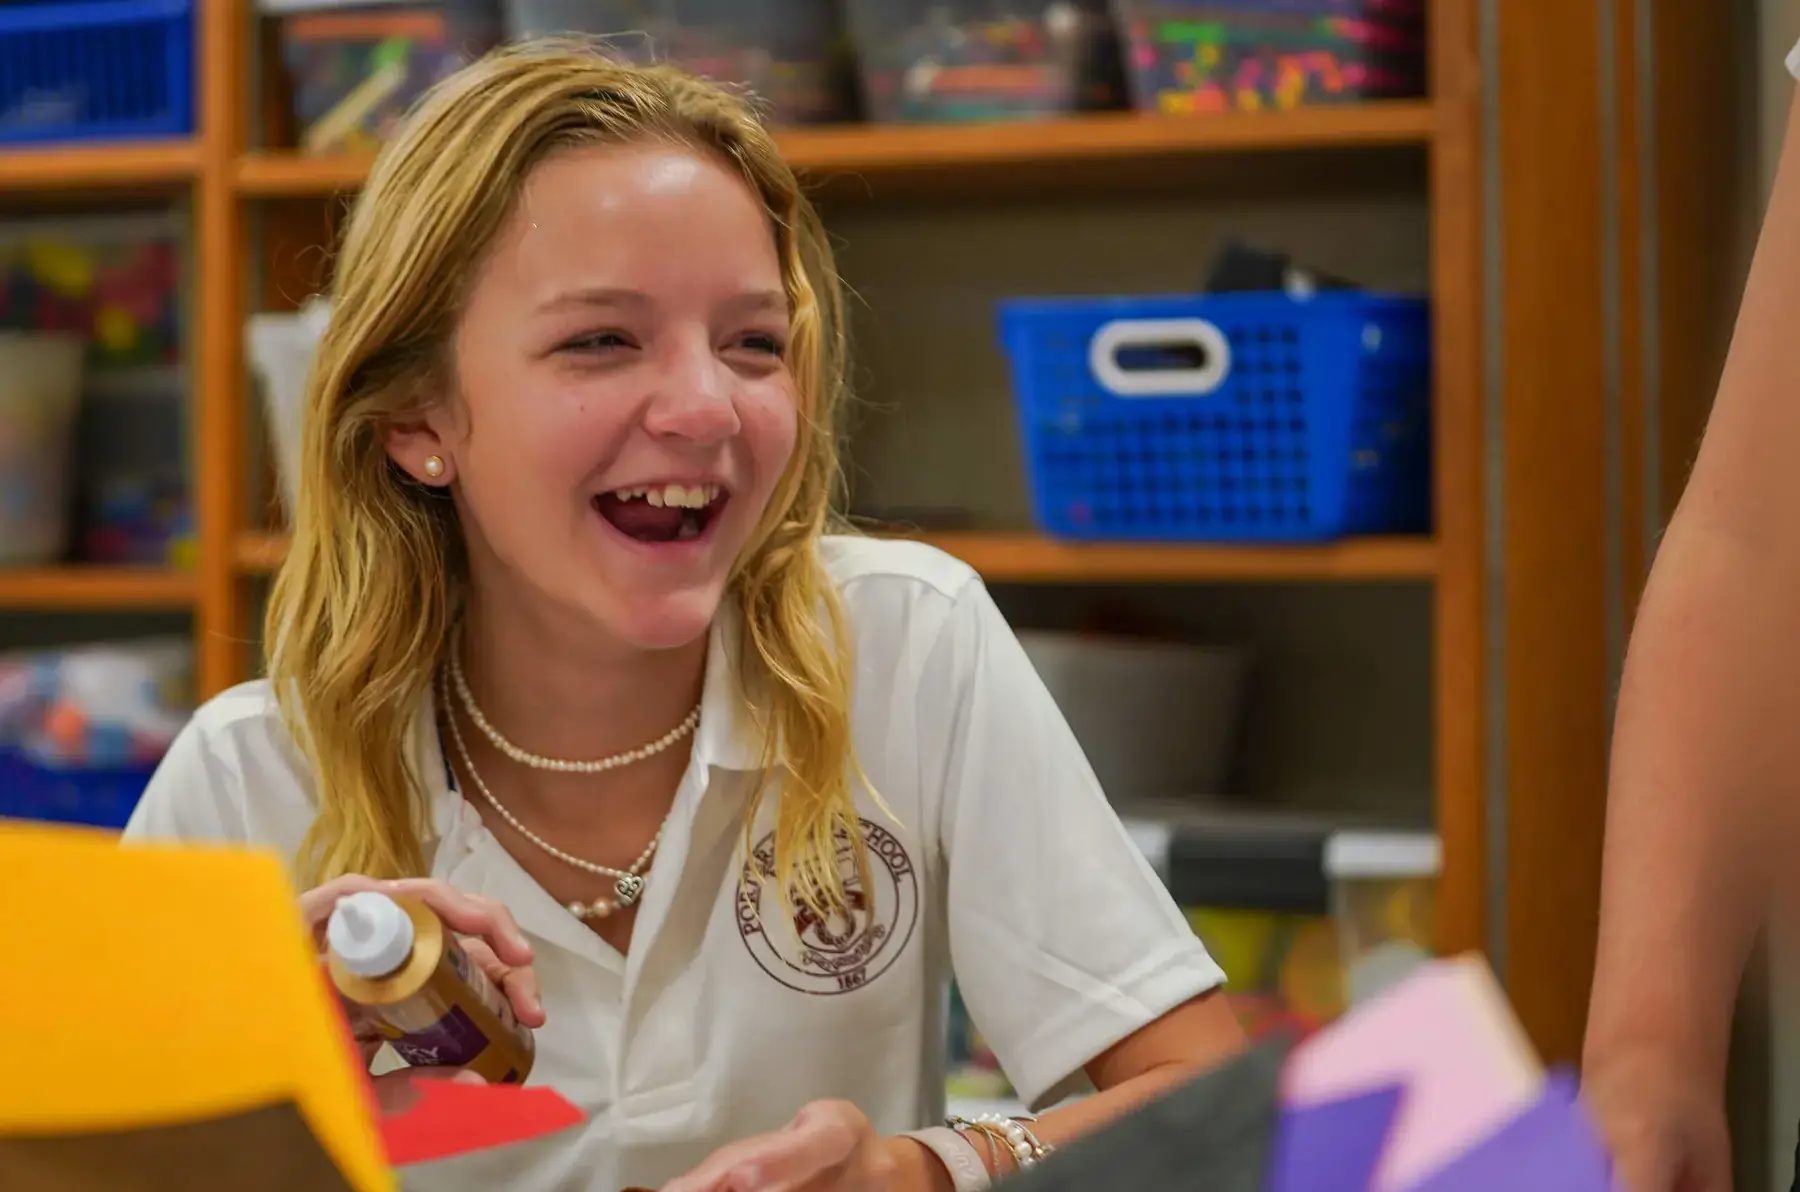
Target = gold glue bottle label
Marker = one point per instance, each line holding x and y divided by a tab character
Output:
490	994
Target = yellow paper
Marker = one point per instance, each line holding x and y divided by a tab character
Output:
150	985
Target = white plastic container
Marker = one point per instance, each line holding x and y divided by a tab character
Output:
1384	898
281	352
1155	718
40	394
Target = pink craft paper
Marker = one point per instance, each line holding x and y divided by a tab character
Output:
1447	1037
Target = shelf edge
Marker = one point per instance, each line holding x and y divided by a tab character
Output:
1030	558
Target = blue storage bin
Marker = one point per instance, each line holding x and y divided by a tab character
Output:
92	70
1224	418
102	798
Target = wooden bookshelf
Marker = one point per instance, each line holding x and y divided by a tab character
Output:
1026	558
1524	228
969	157
96	588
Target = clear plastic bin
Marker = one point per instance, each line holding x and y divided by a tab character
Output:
1384	898
356	66
791	55
1197	56
943	61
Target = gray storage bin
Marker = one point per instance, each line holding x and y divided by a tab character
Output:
1155	719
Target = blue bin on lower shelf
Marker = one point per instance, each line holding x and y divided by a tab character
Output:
1224	418
101	798
96	70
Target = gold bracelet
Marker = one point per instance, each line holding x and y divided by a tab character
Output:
991	1137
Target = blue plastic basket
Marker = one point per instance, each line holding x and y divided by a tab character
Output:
91	70
100	798
1224	418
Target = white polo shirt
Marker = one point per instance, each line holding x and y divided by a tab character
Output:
1003	862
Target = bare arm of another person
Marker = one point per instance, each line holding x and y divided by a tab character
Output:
1706	750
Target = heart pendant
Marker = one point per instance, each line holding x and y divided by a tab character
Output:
629	888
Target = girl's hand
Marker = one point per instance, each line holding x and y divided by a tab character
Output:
1666	1133
486	931
830	1146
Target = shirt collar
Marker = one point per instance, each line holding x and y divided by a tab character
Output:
728	737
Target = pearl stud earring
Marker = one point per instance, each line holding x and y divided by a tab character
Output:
434	466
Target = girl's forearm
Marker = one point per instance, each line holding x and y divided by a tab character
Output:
1699	772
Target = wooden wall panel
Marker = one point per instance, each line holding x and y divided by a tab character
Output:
1552	345
1619	176
1705	179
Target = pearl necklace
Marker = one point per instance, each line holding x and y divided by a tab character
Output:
560	765
628	884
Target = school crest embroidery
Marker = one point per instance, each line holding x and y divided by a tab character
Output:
837	953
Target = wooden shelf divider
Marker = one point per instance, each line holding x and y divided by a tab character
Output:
1025	558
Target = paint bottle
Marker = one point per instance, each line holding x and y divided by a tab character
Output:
393	957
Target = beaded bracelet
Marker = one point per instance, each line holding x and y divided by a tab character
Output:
1012	1133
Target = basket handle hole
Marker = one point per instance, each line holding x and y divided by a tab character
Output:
1169	356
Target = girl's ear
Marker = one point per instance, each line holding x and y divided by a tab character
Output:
419	449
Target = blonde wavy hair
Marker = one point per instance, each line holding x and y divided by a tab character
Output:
367	598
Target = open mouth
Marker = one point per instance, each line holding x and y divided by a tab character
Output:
662	512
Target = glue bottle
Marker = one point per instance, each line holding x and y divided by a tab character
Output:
393	957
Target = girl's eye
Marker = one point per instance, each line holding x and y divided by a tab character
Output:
598	341
771	345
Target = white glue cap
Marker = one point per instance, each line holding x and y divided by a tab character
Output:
370	934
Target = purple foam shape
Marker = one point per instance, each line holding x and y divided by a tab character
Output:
1332	1146
1551	1147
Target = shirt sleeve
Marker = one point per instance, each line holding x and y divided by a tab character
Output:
1793	61
190	797
1062	938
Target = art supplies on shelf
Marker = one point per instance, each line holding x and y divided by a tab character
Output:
354	67
114	282
942	61
791	55
82	729
1194	57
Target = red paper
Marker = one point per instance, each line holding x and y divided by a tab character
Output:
453	1119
